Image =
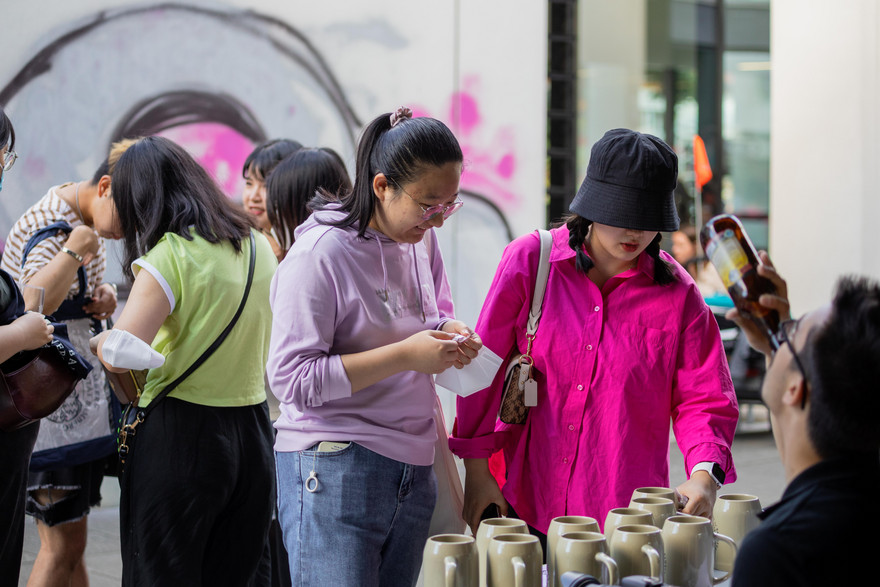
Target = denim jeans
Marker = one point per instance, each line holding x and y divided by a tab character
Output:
365	524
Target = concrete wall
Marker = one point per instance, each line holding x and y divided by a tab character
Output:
825	144
75	73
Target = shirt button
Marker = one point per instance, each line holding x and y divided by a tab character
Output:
589	347
565	460
596	309
580	387
571	426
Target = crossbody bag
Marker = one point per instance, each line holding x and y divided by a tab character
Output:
520	387
135	416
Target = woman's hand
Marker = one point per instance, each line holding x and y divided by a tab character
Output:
33	330
430	351
103	303
699	492
83	241
480	491
468	348
778	302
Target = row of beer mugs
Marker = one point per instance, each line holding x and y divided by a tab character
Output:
653	540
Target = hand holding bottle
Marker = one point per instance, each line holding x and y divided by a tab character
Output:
777	302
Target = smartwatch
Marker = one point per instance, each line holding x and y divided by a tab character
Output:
714	469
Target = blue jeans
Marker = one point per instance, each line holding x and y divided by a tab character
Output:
366	523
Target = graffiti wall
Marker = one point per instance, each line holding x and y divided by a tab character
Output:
219	77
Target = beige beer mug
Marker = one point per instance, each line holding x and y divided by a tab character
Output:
584	552
622	516
734	515
559	526
689	542
489	528
638	550
666	492
450	560
660	508
514	560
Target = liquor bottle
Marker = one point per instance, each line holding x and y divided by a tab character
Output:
732	253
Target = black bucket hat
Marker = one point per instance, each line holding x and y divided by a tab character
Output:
630	183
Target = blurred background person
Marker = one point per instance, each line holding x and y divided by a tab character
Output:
257	167
294	182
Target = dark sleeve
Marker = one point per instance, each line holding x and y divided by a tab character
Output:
764	560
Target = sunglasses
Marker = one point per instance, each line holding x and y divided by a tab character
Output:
786	332
9	160
428	212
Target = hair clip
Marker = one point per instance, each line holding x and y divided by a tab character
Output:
401	113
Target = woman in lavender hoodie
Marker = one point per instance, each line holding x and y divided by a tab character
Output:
363	317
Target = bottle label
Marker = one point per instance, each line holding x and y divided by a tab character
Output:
728	257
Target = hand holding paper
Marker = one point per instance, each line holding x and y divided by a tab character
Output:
476	375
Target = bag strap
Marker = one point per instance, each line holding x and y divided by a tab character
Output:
540	282
210	350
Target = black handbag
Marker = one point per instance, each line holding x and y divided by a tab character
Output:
35	383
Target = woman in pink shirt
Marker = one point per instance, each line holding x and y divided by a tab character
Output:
625	344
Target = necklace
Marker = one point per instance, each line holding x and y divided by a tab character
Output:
76	198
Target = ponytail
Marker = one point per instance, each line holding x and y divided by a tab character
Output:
400	151
663	274
578	229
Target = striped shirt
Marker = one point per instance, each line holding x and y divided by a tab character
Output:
50	209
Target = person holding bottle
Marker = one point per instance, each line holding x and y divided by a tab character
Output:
362	318
625	344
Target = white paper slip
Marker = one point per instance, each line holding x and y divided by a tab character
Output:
124	350
476	375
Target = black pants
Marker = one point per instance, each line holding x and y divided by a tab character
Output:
16	447
197	496
542	538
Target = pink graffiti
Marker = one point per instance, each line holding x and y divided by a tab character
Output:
219	149
489	161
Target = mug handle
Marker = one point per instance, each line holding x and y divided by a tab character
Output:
653	560
519	571
450	566
610	567
732	543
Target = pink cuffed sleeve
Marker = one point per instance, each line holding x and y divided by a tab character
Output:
503	315
704	406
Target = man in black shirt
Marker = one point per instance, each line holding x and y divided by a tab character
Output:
823	390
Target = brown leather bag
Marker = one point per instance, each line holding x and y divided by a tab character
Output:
33	384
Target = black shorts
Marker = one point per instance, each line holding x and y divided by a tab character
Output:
73	492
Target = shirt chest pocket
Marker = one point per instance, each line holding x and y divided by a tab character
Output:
645	356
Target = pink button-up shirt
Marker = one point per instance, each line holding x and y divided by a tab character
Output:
613	367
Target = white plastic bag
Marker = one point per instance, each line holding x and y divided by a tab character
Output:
450	493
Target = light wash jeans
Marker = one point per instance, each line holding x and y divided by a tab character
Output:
365	525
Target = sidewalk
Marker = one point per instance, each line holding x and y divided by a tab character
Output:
758	466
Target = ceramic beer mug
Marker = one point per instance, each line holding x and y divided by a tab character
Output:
660	508
666	492
559	526
514	560
622	516
638	550
689	542
584	552
489	528
450	560
734	515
